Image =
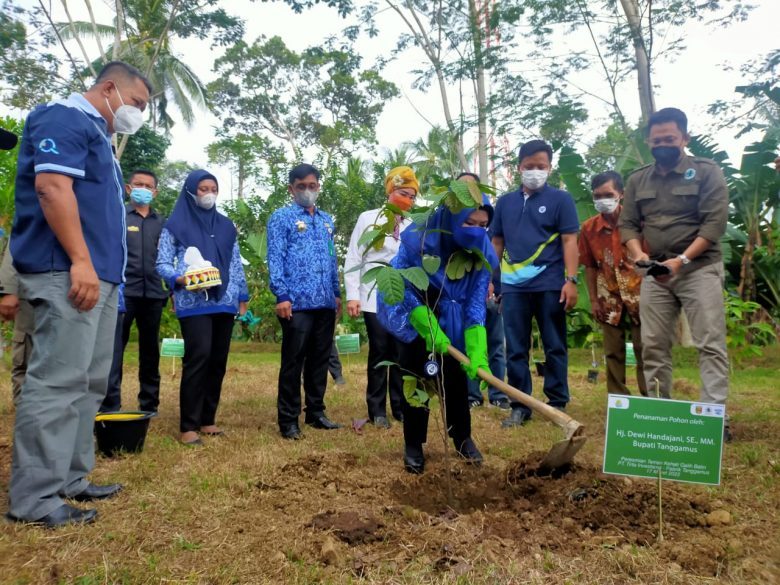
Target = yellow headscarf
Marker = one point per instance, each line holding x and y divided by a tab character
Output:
401	178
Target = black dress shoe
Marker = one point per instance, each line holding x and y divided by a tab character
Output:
399	416
517	418
293	432
97	492
414	459
381	422
322	422
62	516
468	450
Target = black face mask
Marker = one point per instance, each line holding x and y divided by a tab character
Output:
666	156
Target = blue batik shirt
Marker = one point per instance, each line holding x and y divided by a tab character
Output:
302	258
188	303
69	137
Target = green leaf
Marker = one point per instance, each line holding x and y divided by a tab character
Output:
379	243
391	284
389	226
463	191
481	262
476	193
368	237
459	263
385	364
420	218
487	189
257	242
417	276
431	264
454	204
370	275
414	396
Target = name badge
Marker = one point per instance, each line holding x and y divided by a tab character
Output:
133	228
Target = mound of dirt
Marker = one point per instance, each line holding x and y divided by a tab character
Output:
349	526
573	509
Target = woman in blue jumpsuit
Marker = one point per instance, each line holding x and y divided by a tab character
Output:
448	312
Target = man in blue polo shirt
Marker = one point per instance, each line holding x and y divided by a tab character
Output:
534	232
68	246
304	277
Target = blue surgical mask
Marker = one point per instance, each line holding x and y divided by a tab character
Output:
141	196
468	237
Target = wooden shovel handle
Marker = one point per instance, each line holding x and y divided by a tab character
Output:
563	420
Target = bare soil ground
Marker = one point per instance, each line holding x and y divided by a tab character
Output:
337	507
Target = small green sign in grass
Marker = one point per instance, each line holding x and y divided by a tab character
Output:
681	440
349	343
630	355
172	347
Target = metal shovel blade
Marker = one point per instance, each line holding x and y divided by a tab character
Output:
563	452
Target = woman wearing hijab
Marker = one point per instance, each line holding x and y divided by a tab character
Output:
450	311
205	316
401	186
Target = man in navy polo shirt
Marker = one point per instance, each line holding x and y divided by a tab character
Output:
534	232
68	246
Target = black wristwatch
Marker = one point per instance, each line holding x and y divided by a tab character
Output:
572	279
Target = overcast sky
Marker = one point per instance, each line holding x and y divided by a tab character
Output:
696	78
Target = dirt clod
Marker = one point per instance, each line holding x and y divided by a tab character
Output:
329	552
349	526
718	518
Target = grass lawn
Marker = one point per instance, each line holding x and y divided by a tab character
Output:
337	507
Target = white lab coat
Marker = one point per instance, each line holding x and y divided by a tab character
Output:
357	291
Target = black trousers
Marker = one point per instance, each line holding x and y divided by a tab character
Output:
206	347
334	363
382	346
307	339
146	313
413	358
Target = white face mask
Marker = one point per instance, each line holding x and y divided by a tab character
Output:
206	201
606	206
534	179
127	119
306	198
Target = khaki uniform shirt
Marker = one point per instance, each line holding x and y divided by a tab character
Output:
671	210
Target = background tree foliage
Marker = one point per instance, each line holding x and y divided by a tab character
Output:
495	67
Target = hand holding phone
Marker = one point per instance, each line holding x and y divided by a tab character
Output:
654	268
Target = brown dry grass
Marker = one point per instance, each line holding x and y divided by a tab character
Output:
252	508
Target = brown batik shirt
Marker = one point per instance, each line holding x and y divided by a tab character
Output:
617	284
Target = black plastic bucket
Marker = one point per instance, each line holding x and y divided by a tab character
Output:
121	432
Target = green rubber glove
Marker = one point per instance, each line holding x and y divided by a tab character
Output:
476	350
427	325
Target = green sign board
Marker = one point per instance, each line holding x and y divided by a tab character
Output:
172	347
630	355
348	343
683	440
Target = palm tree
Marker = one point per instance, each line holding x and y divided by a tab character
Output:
437	154
147	27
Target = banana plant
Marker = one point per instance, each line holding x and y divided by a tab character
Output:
752	234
